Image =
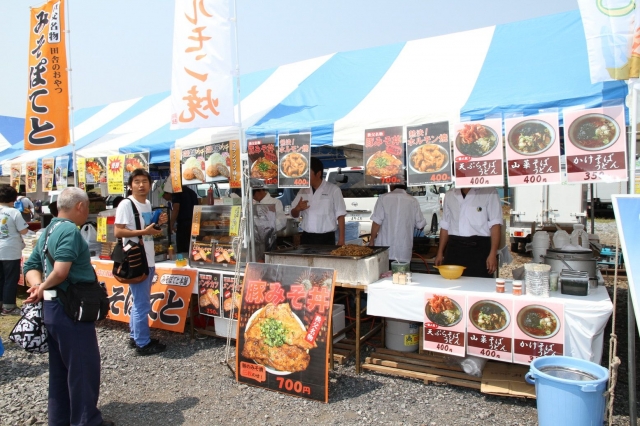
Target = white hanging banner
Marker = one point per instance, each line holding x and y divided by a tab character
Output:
202	70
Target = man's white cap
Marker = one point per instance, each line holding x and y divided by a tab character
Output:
168	187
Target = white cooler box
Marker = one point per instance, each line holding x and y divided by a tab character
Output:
222	324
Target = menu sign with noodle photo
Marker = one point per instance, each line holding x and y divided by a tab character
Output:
596	145
533	150
263	160
429	154
284	327
383	156
444	322
31	178
478	154
294	160
47	174
490	327
538	329
16	172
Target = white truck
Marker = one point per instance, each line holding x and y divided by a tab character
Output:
545	207
602	193
360	199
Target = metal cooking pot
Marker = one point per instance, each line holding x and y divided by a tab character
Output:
290	229
576	260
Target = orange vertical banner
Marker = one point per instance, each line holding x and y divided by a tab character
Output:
47	119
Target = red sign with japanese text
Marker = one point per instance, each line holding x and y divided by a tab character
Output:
284	327
383	154
170	295
538	329
444	323
263	160
478	154
429	154
47	119
596	145
533	150
490	327
294	159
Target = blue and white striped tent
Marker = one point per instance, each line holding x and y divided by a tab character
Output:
518	68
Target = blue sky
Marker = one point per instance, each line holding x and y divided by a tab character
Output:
121	49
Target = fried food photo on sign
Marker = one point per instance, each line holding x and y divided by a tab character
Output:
275	338
294	165
383	164
428	158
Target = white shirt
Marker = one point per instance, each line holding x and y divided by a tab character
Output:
398	214
124	216
11	242
281	218
473	215
326	205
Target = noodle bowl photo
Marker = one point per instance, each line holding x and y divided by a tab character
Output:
594	132
538	322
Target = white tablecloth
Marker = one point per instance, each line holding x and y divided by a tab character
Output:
585	316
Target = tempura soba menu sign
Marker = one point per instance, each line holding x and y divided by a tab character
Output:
283	329
597	145
538	330
383	156
263	159
490	327
428	154
294	158
478	154
444	323
533	150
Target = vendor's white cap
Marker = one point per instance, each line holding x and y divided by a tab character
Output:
168	187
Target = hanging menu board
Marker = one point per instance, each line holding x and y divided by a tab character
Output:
429	154
533	150
115	174
263	160
175	156
209	163
284	327
47	174
138	160
596	145
230	300
538	330
16	172
31	179
81	171
294	156
444	323
383	156
209	292
96	171
61	171
235	166
490	327
478	154
194	165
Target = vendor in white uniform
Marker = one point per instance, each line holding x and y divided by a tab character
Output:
262	196
395	217
322	209
470	231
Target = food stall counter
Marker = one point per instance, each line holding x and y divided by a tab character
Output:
585	317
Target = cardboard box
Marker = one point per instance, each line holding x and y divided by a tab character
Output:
500	378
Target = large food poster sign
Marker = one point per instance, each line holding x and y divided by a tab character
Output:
138	160
444	323
47	174
533	150
294	156
538	330
115	174
263	160
209	292
31	179
490	327
61	171
478	154
383	156
96	170
16	172
209	163
428	154
596	145
170	295
284	327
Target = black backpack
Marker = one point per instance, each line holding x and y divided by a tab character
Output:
130	264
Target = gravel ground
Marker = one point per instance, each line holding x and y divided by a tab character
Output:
189	385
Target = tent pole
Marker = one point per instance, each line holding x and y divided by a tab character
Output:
71	130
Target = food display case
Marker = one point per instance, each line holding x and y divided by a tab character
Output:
214	229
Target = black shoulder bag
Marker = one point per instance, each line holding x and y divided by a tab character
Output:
130	264
82	301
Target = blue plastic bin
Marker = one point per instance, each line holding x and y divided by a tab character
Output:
569	391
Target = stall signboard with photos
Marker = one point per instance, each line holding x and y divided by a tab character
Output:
444	322
230	299
16	172
96	170
194	164
47	174
175	157
235	165
538	329
209	293
533	150
294	160
61	171
81	171
135	160
490	327
115	174
478	154
596	145
170	295
429	154
31	178
383	155
284	327
263	160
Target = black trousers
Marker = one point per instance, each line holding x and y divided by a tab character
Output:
471	252
183	239
324	239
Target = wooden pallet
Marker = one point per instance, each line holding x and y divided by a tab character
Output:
428	367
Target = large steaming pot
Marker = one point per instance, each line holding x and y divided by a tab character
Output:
576	260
